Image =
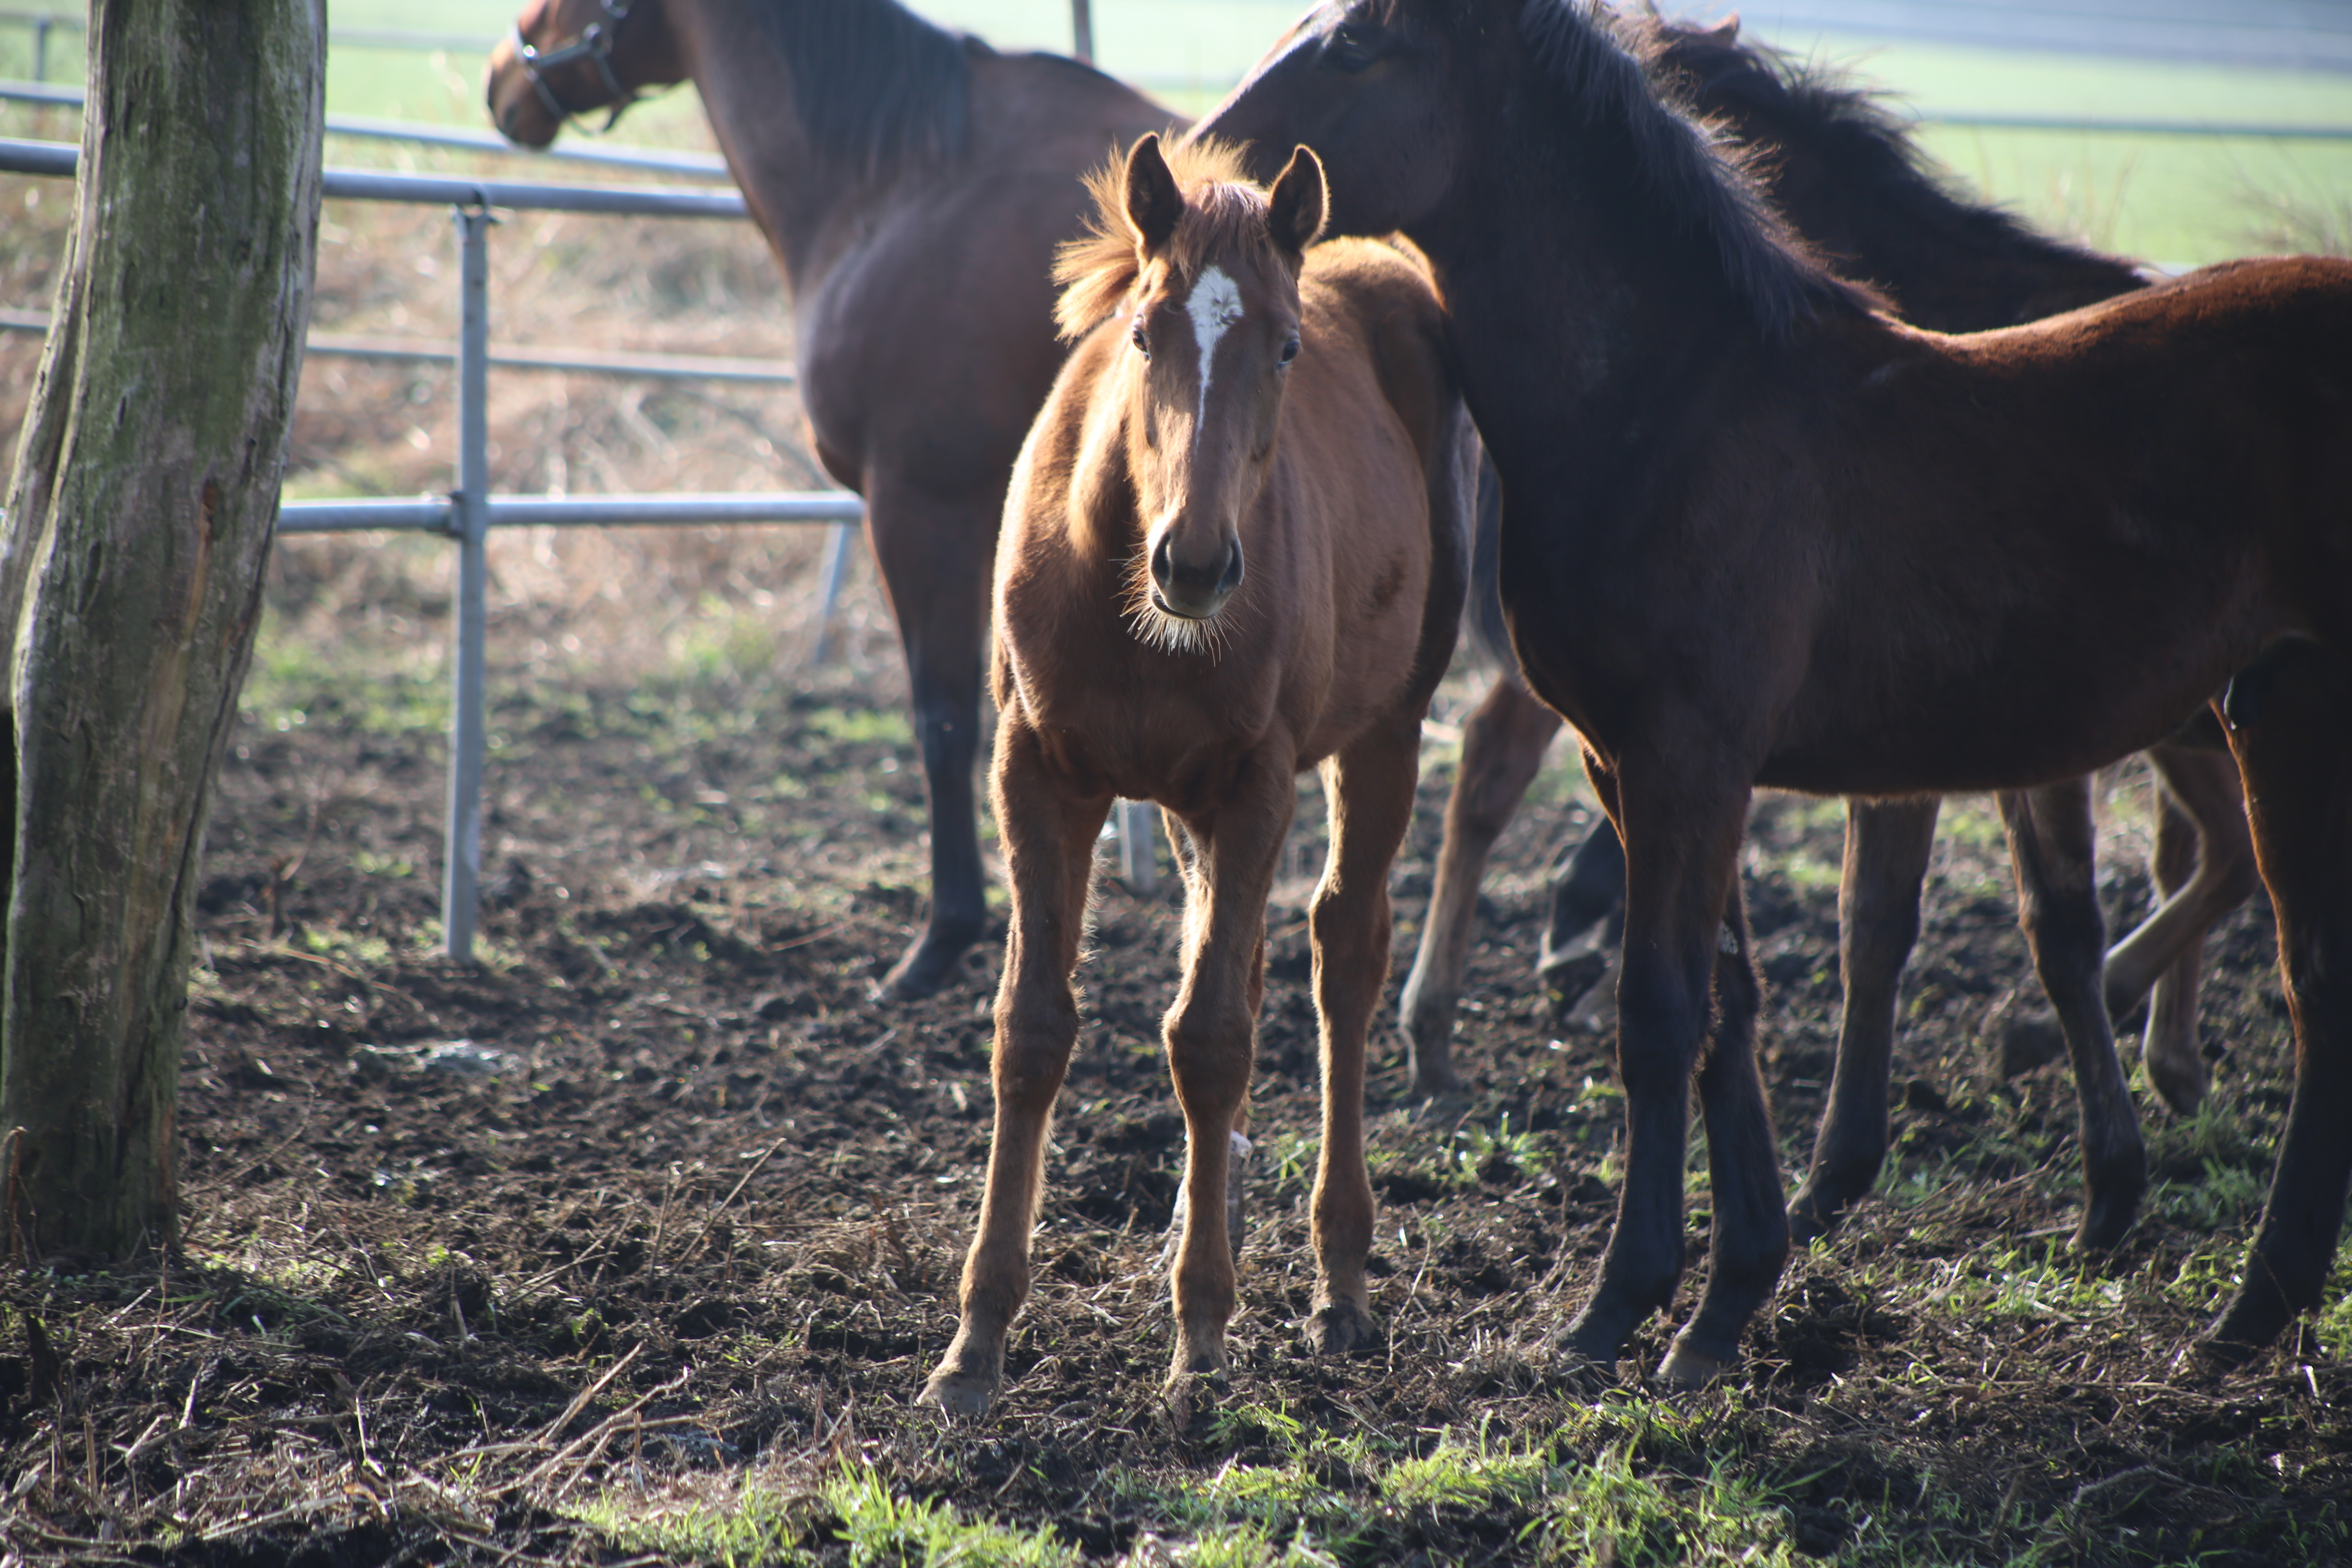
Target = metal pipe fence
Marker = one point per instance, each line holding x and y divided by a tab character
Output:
469	512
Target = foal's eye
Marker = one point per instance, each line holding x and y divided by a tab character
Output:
1142	344
1289	350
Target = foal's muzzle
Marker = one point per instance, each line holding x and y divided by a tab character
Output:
1194	591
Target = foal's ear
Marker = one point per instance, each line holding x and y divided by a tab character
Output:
1725	33
1153	202
1297	202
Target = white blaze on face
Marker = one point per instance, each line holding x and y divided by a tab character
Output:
1215	305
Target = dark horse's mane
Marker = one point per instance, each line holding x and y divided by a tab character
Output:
1610	68
876	86
1846	126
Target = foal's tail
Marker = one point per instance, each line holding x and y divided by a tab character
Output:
1487	629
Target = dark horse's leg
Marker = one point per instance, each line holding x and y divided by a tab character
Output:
2205	868
1048	836
1748	1235
1370	786
1502	748
2052	845
2294	748
1886	848
1682	837
933	554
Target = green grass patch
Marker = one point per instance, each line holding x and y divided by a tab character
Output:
785	1525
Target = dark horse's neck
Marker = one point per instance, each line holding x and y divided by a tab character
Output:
1656	262
820	104
1847	174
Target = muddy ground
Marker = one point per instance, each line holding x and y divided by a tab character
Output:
702	1202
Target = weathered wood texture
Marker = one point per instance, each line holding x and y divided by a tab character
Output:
139	520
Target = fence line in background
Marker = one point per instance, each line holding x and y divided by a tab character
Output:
470	511
705	165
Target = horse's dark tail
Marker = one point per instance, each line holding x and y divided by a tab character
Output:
1487	629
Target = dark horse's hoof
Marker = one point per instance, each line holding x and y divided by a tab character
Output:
2023	1037
931	962
1569	974
2258	1315
1813	1212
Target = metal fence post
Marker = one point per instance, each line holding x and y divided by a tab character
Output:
1138	843
41	25
837	568
1082	30
462	876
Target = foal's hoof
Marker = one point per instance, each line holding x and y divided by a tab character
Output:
1338	1327
1687	1367
952	1393
1812	1215
1579	1375
2023	1037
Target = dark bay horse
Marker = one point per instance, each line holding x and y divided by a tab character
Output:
913	183
1849	180
1756	532
1233	549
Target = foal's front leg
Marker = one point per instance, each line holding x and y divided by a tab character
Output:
1212	1035
1048	830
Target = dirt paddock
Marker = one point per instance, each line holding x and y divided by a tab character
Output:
632	1240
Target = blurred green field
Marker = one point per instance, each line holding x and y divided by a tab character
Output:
2174	199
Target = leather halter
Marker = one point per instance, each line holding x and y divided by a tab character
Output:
596	46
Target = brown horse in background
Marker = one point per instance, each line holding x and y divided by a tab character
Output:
1233	549
1850	181
913	183
1756	532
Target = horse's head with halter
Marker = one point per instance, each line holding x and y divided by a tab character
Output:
524	78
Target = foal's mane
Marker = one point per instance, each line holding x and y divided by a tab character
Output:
1610	69
1224	210
876	86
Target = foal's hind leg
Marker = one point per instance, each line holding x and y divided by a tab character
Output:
2051	844
933	554
1587	888
1887	843
2205	866
1502	748
1370	789
1049	832
2295	750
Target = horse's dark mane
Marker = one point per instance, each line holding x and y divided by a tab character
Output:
1687	168
1847	125
876	86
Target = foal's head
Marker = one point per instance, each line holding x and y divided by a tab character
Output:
1204	268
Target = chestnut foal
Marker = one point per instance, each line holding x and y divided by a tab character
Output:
1233	549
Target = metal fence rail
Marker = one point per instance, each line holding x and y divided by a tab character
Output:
706	166
469	512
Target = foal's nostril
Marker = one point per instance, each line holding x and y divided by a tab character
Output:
1163	566
1233	574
